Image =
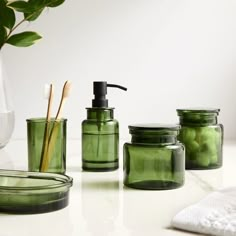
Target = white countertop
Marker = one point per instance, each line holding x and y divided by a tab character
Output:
100	205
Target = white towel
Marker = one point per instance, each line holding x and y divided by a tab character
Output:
214	215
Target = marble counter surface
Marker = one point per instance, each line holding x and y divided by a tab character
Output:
100	205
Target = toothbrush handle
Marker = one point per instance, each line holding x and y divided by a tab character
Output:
59	112
46	131
45	148
55	127
51	140
51	145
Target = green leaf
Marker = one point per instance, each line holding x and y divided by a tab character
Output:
24	39
7	15
3	35
35	8
55	3
35	5
33	16
20	6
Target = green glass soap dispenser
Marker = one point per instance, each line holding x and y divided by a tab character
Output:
100	132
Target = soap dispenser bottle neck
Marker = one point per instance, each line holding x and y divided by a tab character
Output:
100	114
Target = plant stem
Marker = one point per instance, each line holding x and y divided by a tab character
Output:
11	30
16	26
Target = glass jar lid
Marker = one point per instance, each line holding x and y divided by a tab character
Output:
198	110
198	116
153	127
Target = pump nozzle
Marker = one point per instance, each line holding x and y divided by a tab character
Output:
100	91
117	86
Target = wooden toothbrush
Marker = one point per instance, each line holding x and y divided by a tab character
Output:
65	94
55	128
49	92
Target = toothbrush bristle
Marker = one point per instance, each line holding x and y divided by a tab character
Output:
67	87
46	91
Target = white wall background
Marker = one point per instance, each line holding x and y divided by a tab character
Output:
169	53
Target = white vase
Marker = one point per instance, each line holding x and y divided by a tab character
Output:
7	117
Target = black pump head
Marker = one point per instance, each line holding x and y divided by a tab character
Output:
100	91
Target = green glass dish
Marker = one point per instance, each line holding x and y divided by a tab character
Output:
35	140
154	159
202	136
100	140
24	192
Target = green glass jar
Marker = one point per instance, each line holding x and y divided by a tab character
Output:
100	140
202	137
154	159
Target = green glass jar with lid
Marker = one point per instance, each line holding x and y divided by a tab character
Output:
154	159
202	136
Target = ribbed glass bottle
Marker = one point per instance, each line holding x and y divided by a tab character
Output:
202	136
154	159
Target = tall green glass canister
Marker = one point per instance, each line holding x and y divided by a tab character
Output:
154	159
202	136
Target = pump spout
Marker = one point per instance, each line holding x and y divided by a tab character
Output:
100	91
117	86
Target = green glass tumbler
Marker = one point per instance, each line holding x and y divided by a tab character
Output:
56	155
202	136
154	159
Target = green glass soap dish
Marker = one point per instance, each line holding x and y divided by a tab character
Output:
23	192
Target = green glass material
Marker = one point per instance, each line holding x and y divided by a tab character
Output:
35	138
202	137
154	159
100	140
24	192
